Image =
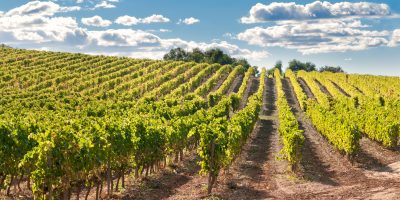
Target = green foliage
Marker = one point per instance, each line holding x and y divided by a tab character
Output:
331	69
247	77
301	96
210	56
333	118
296	65
289	131
338	128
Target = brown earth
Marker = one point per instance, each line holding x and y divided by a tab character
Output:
340	89
235	85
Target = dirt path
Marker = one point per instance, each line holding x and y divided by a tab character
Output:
252	87
323	88
235	85
253	175
164	184
340	89
305	88
358	89
195	187
220	82
328	175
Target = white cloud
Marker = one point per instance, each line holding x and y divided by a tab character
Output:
162	30
36	8
348	59
395	38
34	22
231	49
154	19
316	10
189	21
229	35
93	1
96	21
40	31
124	37
39	8
318	36
70	9
129	20
104	4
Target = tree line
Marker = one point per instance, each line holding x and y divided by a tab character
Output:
296	65
209	56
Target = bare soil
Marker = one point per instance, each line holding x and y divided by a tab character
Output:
252	87
323	88
340	89
220	82
235	85
358	89
305	88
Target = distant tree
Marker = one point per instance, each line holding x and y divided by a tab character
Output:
243	62
296	65
278	65
176	54
218	56
331	69
196	55
210	56
4	46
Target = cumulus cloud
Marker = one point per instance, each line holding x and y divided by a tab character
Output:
189	21
39	8
154	19
143	41
129	20
124	37
316	10
96	21
318	36
35	26
104	4
93	1
395	38
34	22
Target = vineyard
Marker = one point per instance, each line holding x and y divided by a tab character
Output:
76	126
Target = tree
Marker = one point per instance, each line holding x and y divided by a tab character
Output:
243	62
278	65
196	55
296	65
210	56
176	54
218	56
337	69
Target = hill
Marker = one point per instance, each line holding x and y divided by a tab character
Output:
112	127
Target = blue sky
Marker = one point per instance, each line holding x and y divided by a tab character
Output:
362	37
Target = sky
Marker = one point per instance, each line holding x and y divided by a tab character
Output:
361	37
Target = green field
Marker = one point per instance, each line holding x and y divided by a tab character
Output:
71	123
